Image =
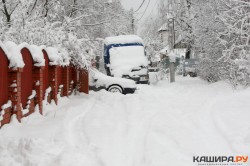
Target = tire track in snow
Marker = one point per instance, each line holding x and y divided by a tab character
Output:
76	136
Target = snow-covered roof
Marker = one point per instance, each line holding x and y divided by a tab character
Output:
35	52
164	27
180	52
165	50
156	58
123	39
13	53
174	53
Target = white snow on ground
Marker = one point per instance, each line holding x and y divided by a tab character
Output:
161	125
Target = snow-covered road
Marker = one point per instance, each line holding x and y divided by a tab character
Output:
160	125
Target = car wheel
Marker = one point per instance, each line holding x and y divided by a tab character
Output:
115	89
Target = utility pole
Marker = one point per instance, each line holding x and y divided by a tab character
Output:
133	25
171	58
171	43
133	21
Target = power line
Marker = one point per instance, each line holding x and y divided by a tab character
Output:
140	6
153	8
144	11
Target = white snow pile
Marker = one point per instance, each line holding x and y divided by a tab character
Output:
162	125
123	39
2	111
57	56
165	124
53	55
7	105
103	80
13	53
65	59
124	59
36	53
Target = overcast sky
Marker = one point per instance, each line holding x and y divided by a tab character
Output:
135	4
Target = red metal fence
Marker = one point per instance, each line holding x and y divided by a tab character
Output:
26	77
3	78
18	85
45	73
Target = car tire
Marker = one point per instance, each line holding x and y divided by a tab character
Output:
115	89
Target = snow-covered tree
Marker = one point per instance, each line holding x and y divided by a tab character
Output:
73	25
217	32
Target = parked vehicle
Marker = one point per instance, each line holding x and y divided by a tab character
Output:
124	57
153	74
100	81
190	67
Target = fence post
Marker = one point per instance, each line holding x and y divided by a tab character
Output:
66	81
15	92
53	71
84	81
38	86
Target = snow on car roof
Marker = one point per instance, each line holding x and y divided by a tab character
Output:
123	39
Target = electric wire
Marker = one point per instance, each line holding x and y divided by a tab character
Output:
140	6
144	11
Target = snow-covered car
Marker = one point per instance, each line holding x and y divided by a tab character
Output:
98	81
124	57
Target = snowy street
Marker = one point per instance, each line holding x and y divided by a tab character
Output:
124	82
161	125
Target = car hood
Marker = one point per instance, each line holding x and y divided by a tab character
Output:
99	79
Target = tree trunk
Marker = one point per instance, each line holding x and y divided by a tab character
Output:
6	13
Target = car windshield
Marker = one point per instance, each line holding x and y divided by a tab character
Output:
124	59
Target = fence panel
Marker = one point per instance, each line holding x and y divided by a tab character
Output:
4	62
26	77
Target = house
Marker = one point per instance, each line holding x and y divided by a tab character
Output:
164	33
180	47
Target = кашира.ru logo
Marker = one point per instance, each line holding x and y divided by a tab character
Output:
220	159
